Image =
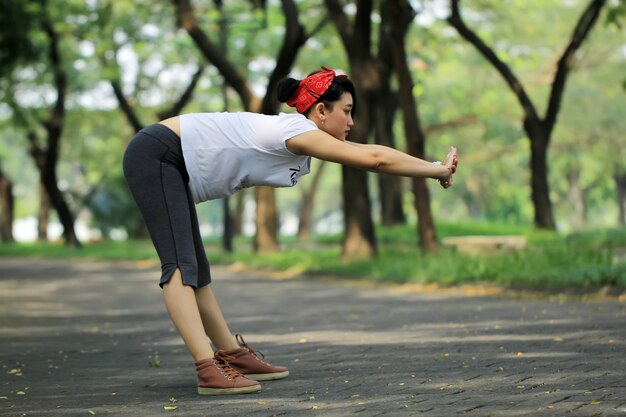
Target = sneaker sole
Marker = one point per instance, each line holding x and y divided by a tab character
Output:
229	391
267	377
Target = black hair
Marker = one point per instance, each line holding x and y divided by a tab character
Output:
287	87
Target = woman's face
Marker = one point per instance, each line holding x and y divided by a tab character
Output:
338	121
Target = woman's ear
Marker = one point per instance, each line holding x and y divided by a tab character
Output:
320	111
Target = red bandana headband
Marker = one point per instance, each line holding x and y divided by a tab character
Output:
311	89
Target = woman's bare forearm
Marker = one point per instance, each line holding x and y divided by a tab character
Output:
395	162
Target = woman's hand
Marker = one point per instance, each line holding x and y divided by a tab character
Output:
451	161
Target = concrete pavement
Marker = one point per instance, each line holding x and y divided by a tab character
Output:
83	338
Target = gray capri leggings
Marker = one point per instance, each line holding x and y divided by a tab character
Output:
155	170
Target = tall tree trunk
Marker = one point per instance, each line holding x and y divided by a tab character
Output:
240	200
66	217
266	239
54	129
359	235
266	220
620	188
540	189
401	14
389	186
539	130
43	214
7	207
305	225
227	235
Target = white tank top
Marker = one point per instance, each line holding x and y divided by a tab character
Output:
225	152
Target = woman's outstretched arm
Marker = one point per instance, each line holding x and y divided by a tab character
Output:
376	158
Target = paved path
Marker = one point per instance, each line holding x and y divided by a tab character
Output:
82	338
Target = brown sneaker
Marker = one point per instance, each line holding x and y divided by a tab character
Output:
216	377
251	363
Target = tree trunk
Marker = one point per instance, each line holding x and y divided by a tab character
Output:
239	212
620	187
401	14
43	214
359	235
307	204
54	129
227	236
49	179
7	207
389	186
266	239
540	190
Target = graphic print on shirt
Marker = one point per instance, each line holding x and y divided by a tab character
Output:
294	175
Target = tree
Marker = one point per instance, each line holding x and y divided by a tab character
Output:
386	106
400	16
7	206
356	36
538	129
46	156
307	203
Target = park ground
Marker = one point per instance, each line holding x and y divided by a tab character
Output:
85	338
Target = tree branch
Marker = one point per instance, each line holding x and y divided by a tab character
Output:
583	27
54	124
125	106
455	19
294	38
450	124
363	23
213	54
185	97
341	21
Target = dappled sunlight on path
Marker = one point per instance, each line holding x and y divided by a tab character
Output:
92	338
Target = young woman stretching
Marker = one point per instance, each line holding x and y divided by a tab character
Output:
173	165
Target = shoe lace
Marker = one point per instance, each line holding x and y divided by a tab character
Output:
221	361
243	344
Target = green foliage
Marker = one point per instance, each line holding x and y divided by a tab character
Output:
583	261
551	262
616	13
138	43
17	19
109	250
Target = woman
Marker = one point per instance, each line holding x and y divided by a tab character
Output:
184	160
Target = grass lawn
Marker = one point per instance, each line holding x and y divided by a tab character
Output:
551	261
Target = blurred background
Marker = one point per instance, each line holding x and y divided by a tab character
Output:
532	93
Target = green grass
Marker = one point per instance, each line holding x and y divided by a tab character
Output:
552	261
108	250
